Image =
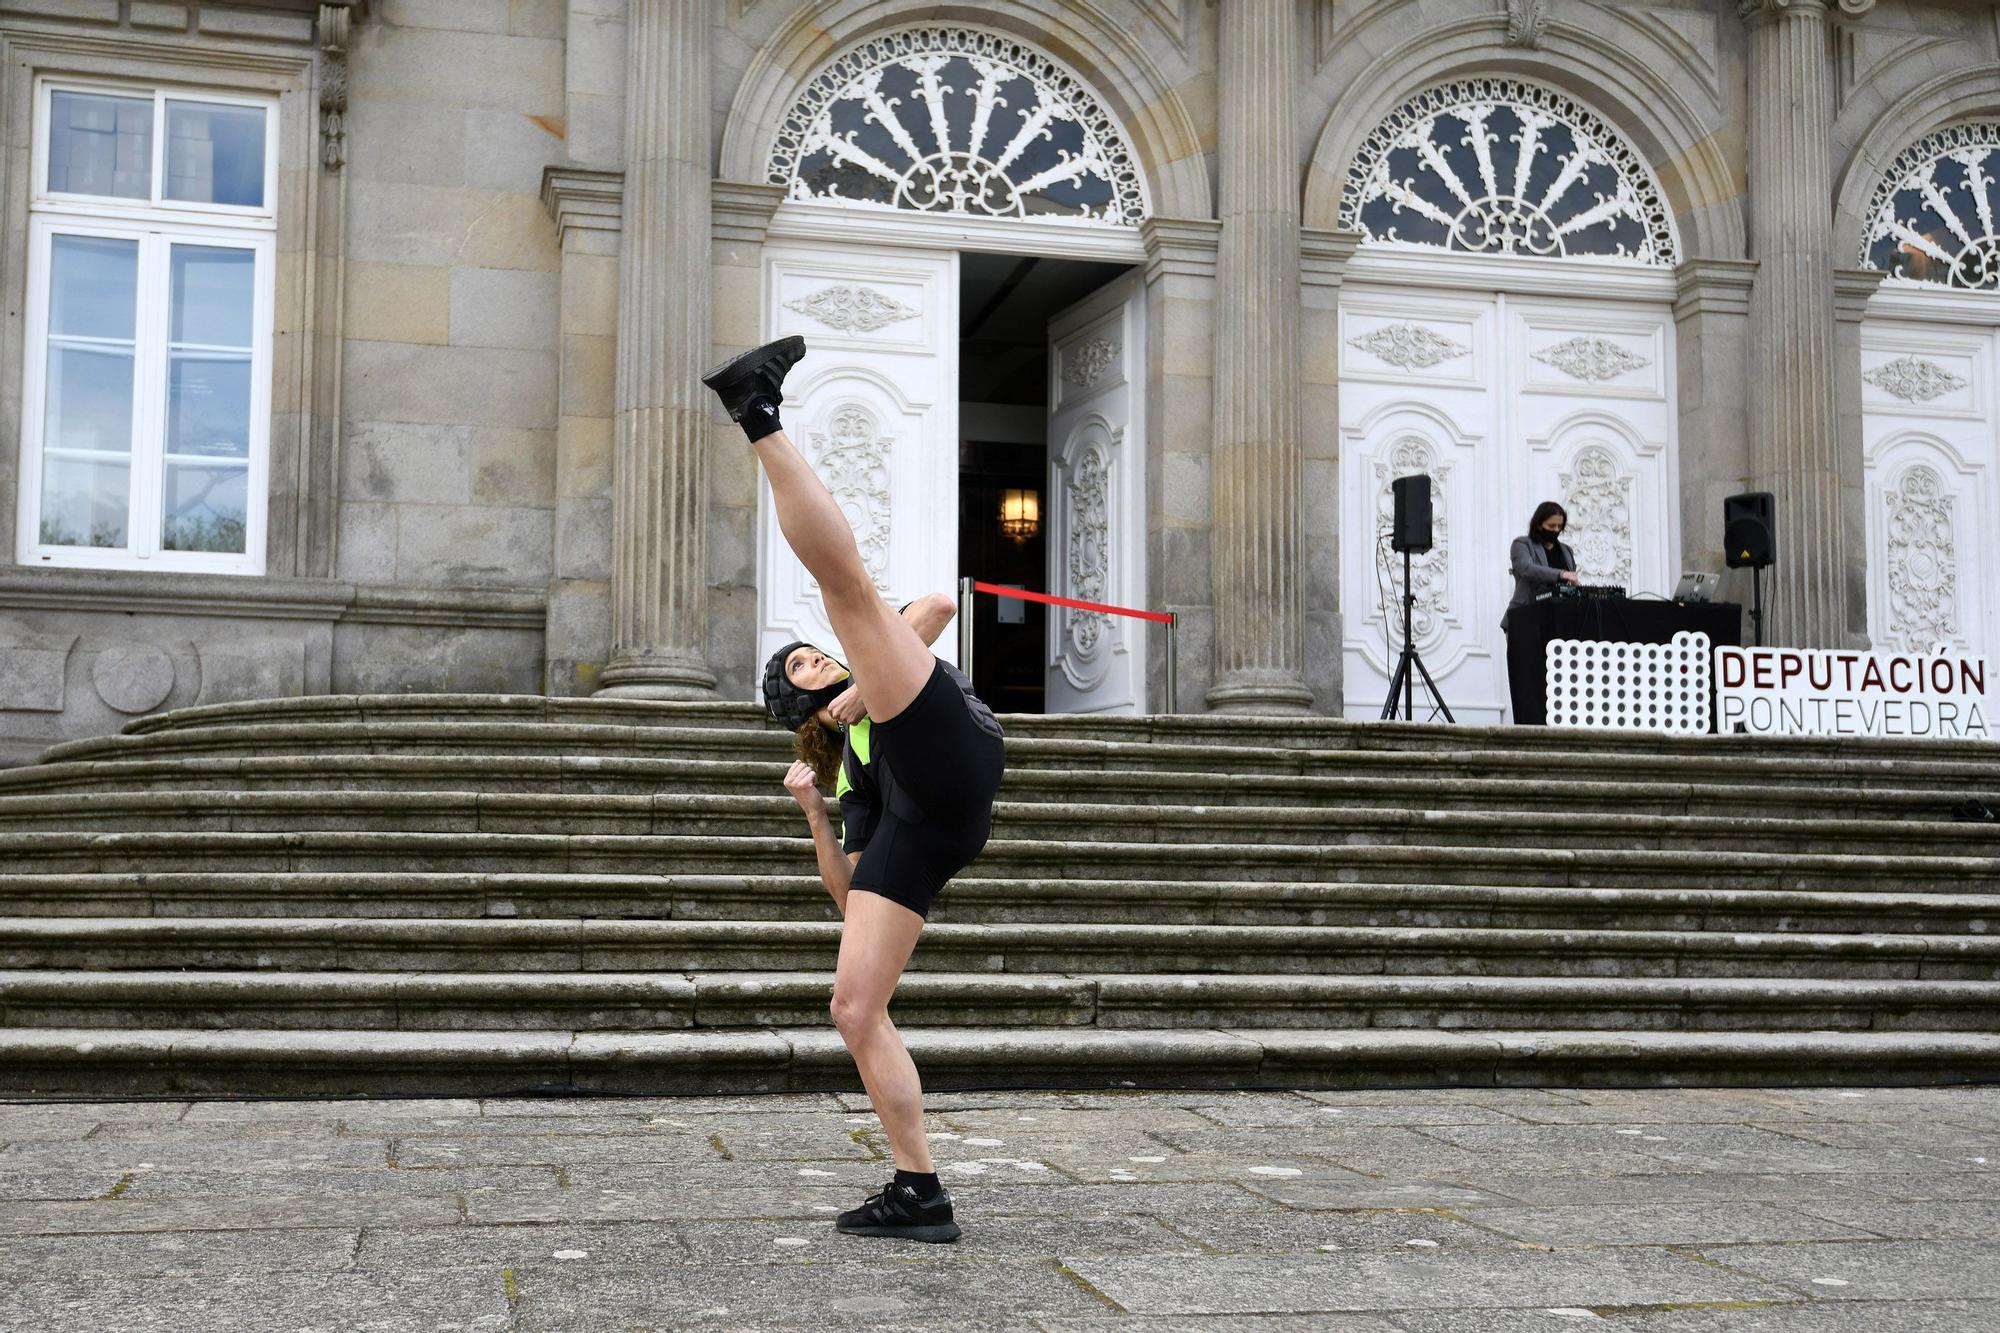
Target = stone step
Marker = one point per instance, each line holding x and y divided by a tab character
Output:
1481	751
1014	859
1847	795
468	813
1296	732
391	895
665	1002
568	945
183	1062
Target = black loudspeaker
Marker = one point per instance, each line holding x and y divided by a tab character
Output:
1412	531
1749	530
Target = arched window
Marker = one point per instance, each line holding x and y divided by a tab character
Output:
1933	217
1502	167
954	120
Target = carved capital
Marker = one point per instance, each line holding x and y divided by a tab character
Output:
335	30
1758	10
1527	20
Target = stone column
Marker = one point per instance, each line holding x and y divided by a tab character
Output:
1323	257
1258	554
659	570
1793	432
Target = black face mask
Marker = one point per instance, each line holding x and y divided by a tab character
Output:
1549	538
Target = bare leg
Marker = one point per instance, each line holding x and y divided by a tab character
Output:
890	663
875	944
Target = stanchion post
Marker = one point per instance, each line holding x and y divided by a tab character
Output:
965	627
1173	664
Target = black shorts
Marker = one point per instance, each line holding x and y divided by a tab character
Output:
939	766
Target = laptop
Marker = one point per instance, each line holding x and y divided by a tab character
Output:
1697	586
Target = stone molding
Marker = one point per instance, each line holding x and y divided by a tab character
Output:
1713	287
581	197
742	211
1323	255
1852	288
1180	247
334	32
135	592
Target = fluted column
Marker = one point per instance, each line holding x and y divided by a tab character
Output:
1794	432
1258	464
659	570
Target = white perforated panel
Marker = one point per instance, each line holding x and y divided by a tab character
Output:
1635	686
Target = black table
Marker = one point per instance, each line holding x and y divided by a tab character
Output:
1604	620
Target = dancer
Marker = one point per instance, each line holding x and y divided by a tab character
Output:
916	775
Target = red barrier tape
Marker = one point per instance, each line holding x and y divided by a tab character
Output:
1163	617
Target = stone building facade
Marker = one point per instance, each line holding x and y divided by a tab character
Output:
352	346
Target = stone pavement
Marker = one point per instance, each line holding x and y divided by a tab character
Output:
1872	1210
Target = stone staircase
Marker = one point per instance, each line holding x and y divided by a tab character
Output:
459	894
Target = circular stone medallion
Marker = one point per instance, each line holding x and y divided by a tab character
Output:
133	677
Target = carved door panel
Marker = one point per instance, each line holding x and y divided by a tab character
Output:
1504	401
874	407
1097	523
1931	488
1416	396
1591	390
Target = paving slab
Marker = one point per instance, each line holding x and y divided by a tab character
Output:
1936	1219
464	1300
1664	1224
177	1254
1872	1270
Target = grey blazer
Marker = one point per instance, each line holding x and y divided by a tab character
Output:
1532	573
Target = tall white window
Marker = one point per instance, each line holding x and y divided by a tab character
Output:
147	390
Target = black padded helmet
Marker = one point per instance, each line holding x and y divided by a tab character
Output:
791	706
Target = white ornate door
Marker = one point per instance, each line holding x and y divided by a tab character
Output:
1504	401
1097	523
1930	438
874	407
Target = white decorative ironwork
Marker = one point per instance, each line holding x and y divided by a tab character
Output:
1598	497
1089	501
852	309
1922	561
955	120
1629	686
1589	357
1086	363
852	457
1914	379
1933	217
1504	167
1411	346
1430	572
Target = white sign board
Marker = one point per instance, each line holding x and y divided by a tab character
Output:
1629	686
1832	692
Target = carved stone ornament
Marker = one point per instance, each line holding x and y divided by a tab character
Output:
1527	20
1589	357
957	120
1932	219
1410	346
852	457
1500	166
334	29
1086	363
1922	561
1598	495
1914	379
852	309
1089	554
1429	573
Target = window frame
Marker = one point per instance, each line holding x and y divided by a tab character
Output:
157	229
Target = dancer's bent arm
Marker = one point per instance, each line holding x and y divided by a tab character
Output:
836	867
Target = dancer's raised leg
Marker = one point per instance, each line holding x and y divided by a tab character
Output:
890	663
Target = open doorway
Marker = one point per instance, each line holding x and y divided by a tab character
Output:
1005	305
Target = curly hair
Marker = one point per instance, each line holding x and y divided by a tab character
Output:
820	746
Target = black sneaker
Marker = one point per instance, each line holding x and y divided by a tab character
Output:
896	1211
754	374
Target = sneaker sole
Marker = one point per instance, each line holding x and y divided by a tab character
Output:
947	1231
716	376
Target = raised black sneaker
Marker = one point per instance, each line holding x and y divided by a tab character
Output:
757	373
896	1211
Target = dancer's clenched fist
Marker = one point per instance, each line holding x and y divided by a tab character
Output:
804	786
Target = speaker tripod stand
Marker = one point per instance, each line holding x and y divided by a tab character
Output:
1410	665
